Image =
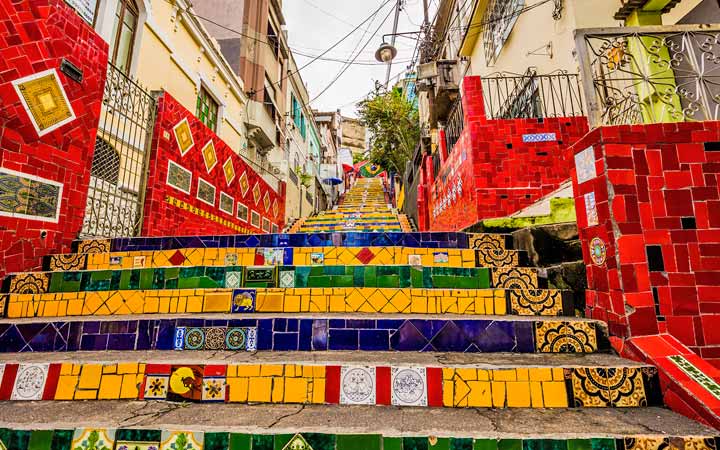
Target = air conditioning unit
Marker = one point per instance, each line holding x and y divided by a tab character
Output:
446	75
427	70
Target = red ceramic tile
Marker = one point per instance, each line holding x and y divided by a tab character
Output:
51	381
332	384
383	386
8	381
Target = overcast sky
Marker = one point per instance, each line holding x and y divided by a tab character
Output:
315	25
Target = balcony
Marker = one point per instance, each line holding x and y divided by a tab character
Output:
261	126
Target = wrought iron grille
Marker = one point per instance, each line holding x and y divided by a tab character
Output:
119	168
454	125
500	16
511	96
436	163
650	74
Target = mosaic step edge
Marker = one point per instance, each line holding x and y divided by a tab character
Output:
307	334
312	256
274	276
292	300
456	240
398	385
166	439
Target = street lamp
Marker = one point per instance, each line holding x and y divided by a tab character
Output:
385	53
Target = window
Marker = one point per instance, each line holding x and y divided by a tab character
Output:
298	116
207	109
500	17
126	19
273	40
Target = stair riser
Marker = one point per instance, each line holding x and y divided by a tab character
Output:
414	240
292	300
306	334
273	276
69	439
395	256
415	386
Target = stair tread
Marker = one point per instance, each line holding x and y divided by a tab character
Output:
575	423
370	358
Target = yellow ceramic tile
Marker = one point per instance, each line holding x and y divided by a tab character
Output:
238	389
66	387
554	394
480	394
278	390
109	369
504	375
536	394
130	388
260	389
557	374
90	376
498	394
249	370
540	373
268	370
518	394
86	394
318	390
110	387
66	368
217	302
523	374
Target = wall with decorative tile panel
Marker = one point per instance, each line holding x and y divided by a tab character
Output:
47	128
498	167
198	185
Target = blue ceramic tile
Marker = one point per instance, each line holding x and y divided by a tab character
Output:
374	340
342	339
94	342
285	341
407	338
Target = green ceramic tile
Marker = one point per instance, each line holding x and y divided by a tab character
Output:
320	441
70	286
172	272
334	270
262	442
189	272
319	281
281	441
56	281
125	279
40	440
416	277
416	443
317	270
216	441
98	275
146	278
404	274
15	439
580	444
485	444
358	442
301	276
392	443
440	444
171	284
240	441
510	444
343	281
115	280
443	281
387	270
134	282
158	279
216	274
188	283
603	444
209	283
427	276
349	270
62	439
258	284
461	444
388	281
138	435
359	276
544	444
483	277
465	283
72	276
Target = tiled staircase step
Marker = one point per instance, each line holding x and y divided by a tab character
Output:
273	276
320	239
372	332
451	380
492	429
292	300
300	256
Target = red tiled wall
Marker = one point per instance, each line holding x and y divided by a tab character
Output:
165	219
34	36
499	173
649	177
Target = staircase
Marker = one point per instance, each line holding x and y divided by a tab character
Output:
352	334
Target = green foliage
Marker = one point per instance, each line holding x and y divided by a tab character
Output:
394	128
305	177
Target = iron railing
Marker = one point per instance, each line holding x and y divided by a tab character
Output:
118	176
513	96
454	125
650	74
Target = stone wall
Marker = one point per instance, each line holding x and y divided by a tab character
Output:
198	186
47	128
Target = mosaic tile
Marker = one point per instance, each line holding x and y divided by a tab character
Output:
45	100
539	137
30	382
409	386
357	385
563	337
585	165
243	300
591	209
183	136
156	387
93	439
696	374
29	196
178	177
185	440
209	155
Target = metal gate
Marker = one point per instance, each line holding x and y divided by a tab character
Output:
118	176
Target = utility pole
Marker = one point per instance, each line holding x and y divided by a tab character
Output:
426	22
392	39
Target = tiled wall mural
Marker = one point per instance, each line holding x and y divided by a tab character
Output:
197	184
498	167
651	230
47	129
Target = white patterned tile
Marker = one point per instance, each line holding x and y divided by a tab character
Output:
585	165
408	386
30	382
233	280
287	279
252	339
213	389
357	385
591	209
156	387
